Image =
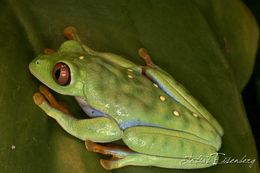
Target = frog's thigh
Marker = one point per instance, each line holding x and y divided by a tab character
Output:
179	93
159	142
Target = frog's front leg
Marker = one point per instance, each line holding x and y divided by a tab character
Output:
101	129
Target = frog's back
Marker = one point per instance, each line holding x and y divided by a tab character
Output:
132	99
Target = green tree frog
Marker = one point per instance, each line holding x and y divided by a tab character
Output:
158	120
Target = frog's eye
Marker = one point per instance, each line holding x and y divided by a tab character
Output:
61	74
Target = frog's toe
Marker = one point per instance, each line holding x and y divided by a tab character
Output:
63	108
109	164
38	98
70	32
48	51
144	54
91	146
44	90
47	94
53	102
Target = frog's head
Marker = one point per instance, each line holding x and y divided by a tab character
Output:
59	71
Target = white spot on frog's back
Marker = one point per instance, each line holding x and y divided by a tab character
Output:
162	98
81	57
130	73
130	76
154	84
195	115
176	113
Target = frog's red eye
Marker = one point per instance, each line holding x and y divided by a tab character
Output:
61	74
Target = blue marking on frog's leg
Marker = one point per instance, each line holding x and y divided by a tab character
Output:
88	109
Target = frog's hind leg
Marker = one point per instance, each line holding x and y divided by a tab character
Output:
121	156
138	159
116	151
151	146
161	148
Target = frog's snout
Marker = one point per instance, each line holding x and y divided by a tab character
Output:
33	64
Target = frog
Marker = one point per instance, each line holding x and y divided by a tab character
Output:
160	123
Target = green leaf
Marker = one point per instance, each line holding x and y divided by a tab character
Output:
208	46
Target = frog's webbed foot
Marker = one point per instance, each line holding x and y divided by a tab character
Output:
45	94
144	54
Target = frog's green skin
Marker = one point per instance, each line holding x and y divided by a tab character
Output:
162	125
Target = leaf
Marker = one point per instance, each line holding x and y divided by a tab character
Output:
183	37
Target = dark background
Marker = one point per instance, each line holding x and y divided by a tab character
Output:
251	93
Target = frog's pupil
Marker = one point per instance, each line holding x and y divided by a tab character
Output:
57	74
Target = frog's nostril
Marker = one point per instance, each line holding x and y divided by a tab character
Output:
37	62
